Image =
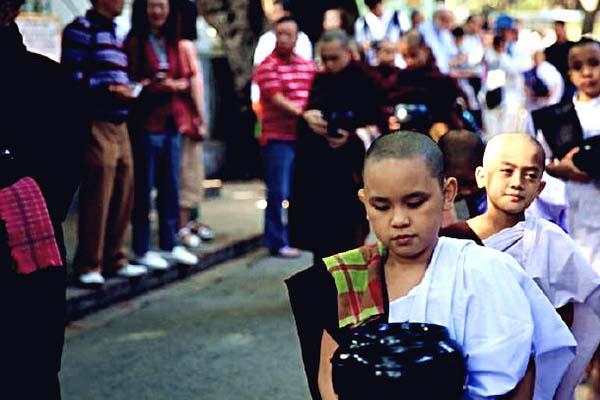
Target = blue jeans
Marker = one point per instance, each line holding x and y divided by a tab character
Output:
157	165
278	160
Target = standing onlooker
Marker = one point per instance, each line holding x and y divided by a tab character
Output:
337	19
165	110
266	41
344	97
45	140
266	44
284	79
557	55
467	66
509	59
95	57
543	83
436	34
376	25
416	19
191	191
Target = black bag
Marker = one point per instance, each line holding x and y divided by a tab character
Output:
587	158
560	126
535	84
493	98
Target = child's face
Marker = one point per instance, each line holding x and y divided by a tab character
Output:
332	19
584	70
404	204
386	54
513	179
414	56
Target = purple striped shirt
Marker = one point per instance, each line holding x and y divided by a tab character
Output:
95	57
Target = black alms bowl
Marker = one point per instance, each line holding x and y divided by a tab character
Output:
399	361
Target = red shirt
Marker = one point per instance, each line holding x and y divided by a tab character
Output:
293	79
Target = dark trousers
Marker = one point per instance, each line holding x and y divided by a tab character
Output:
31	341
278	160
157	165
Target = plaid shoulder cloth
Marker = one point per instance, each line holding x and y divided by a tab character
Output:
30	234
357	276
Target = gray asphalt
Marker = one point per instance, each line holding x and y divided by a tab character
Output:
226	333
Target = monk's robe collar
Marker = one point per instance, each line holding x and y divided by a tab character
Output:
360	283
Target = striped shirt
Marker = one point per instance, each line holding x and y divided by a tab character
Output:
95	57
293	79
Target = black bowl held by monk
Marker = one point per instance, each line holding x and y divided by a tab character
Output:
399	361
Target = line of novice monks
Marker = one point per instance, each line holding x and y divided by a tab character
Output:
519	298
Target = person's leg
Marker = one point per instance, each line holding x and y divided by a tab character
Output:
121	204
279	162
273	161
168	191
145	153
94	199
288	152
190	189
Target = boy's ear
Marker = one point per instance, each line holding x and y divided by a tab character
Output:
542	186
449	192
480	177
362	196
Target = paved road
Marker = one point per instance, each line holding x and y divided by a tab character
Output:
223	334
226	334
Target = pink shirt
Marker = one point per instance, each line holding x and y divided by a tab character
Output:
293	79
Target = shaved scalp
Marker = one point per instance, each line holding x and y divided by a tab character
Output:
413	39
403	145
336	34
514	141
462	147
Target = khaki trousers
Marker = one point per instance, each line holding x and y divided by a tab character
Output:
105	199
191	191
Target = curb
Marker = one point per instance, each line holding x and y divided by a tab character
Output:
82	302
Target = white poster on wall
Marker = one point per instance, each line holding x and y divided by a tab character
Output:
41	34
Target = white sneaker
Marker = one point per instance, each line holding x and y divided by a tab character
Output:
153	260
92	279
188	238
132	271
182	256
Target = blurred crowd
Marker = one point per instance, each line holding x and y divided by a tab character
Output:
484	75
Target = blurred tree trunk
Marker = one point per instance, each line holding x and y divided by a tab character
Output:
588	21
589	18
238	22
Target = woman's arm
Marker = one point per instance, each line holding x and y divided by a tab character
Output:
328	347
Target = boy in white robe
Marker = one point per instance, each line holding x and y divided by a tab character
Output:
512	176
583	192
489	305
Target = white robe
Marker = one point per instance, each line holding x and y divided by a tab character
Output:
496	313
553	260
440	42
583	199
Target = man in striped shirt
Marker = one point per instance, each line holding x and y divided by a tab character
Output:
284	79
95	58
